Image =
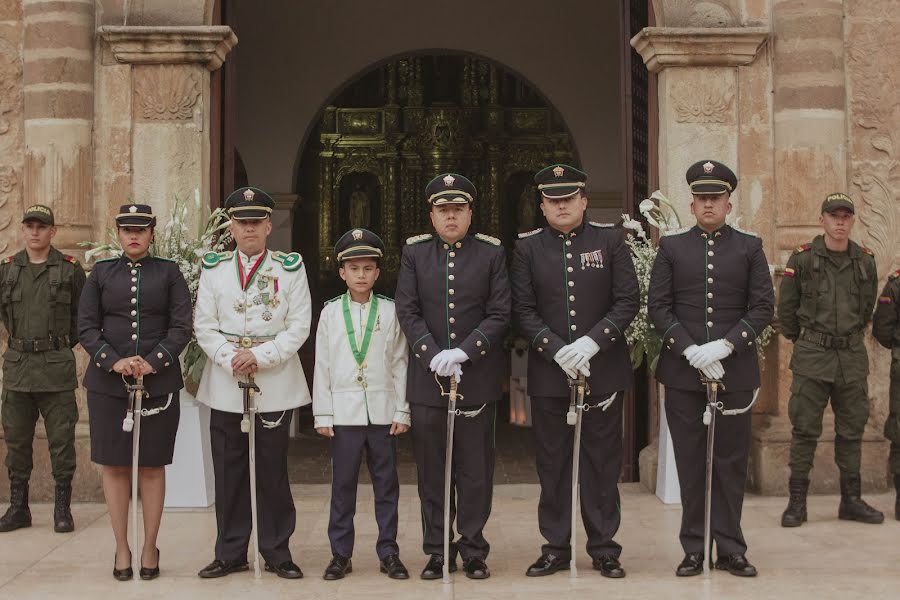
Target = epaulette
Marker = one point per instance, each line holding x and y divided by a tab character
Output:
750	233
803	248
488	239
383	297
8	260
527	234
70	259
677	231
338	297
416	239
867	251
212	259
290	262
894	275
603	225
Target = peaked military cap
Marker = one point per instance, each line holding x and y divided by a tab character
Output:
39	212
450	188
838	200
710	177
358	243
560	181
135	215
249	203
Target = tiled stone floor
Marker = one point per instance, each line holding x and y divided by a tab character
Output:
825	558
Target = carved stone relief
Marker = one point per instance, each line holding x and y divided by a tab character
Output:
165	93
702	103
689	13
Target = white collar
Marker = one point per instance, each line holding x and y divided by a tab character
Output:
250	259
354	303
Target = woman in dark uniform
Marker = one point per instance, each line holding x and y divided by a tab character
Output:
134	319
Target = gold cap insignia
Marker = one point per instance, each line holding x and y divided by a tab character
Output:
357	234
708	167
559	171
132	209
248	195
448	180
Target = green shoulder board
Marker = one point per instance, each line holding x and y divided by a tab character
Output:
290	262
417	239
488	239
383	297
604	225
526	234
212	259
739	230
677	231
338	297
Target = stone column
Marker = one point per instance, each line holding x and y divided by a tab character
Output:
155	94
59	106
12	137
712	90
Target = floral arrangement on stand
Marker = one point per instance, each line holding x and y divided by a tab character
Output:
644	340
175	242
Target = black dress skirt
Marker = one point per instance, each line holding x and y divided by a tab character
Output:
110	445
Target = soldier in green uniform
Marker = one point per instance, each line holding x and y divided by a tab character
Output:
886	329
39	293
826	300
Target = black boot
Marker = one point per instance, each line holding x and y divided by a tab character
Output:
18	514
853	507
795	513
62	513
897	500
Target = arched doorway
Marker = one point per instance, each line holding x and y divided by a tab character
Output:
390	129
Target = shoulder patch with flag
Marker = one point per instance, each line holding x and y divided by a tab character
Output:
885	300
789	272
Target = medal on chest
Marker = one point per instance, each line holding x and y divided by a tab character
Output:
592	260
359	353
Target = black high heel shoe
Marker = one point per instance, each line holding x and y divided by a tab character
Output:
148	573
123	574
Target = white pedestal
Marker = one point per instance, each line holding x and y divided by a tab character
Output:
190	482
667	488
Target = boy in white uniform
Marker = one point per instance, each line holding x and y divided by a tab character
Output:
359	400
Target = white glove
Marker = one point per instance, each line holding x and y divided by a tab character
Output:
456	372
586	346
568	361
443	361
710	353
714	371
690	352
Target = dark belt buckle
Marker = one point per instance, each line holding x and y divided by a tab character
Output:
28	346
840	343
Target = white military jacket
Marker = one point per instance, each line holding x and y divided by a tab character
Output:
339	398
272	316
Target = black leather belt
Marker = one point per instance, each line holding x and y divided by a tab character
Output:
835	342
41	345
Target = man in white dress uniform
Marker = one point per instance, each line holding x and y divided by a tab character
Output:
253	313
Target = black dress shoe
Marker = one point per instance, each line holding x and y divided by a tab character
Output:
609	566
736	564
394	568
123	574
547	564
475	568
435	567
285	570
221	568
691	565
337	568
148	573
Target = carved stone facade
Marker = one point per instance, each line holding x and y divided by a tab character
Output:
105	105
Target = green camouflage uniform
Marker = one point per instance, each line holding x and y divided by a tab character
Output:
825	302
886	330
39	305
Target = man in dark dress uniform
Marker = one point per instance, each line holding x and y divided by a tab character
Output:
453	304
711	295
825	302
886	329
574	294
39	293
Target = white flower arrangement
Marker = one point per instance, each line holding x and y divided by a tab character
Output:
645	341
175	242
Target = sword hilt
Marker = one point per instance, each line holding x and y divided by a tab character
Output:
248	387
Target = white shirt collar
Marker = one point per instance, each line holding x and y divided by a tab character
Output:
363	304
250	259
